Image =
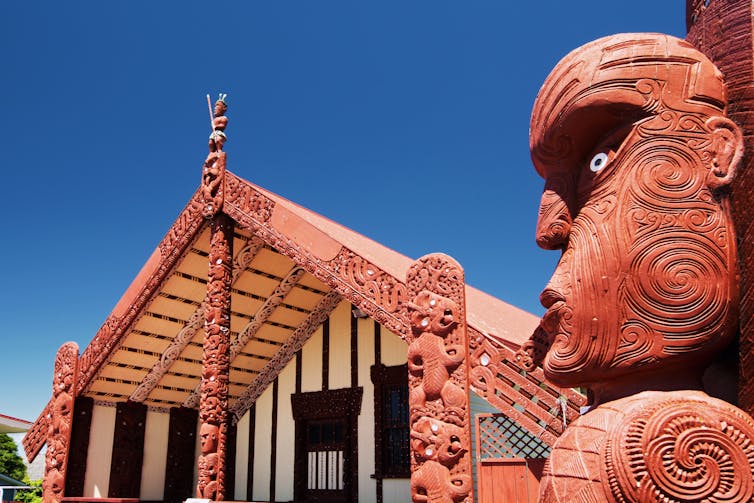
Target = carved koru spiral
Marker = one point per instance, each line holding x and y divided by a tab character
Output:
678	449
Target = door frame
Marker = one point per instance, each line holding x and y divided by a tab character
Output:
322	405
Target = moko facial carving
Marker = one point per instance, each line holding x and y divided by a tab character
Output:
630	134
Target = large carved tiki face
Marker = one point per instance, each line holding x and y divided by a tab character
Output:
630	135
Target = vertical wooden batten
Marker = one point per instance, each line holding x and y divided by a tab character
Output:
128	450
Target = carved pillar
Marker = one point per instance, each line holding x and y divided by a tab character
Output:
213	407
722	30
438	382
128	450
61	420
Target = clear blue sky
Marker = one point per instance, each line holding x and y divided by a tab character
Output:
406	121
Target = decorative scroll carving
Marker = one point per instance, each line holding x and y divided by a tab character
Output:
36	437
438	382
215	362
284	355
251	208
261	316
493	369
366	286
678	448
194	323
630	133
654	446
61	421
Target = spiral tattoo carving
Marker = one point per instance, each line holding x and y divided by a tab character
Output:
682	450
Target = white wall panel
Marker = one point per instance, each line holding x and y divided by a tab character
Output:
263	446
155	455
100	452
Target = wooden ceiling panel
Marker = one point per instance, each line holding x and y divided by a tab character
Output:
182	382
244	304
256	284
175	308
145	342
287	316
134	358
154	324
273	333
305	299
249	363
168	395
272	262
186	288
311	282
202	243
187	368
260	348
236	390
124	373
194	264
112	388
241	377
193	352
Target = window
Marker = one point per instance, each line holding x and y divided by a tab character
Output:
392	449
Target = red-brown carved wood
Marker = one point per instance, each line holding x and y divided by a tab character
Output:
631	135
383	297
213	406
722	30
438	367
61	421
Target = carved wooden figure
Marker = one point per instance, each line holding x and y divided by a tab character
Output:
631	137
438	382
213	171
59	430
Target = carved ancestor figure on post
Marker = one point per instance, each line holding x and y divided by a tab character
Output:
213	171
630	134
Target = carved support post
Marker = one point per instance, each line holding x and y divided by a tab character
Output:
61	420
438	367
213	407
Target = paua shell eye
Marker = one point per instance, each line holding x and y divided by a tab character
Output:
598	162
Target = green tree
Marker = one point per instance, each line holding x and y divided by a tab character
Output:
33	495
11	463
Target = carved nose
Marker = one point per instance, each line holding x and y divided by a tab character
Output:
554	223
550	296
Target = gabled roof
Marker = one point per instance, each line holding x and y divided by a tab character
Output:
291	267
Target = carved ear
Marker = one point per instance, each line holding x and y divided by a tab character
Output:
726	151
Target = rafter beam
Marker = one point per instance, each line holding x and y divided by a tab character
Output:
261	316
194	323
284	355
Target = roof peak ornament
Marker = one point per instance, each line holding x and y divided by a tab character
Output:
213	172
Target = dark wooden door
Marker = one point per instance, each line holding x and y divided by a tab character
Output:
326	460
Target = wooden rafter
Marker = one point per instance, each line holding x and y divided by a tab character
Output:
195	322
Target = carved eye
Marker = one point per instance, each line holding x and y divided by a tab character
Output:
598	162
